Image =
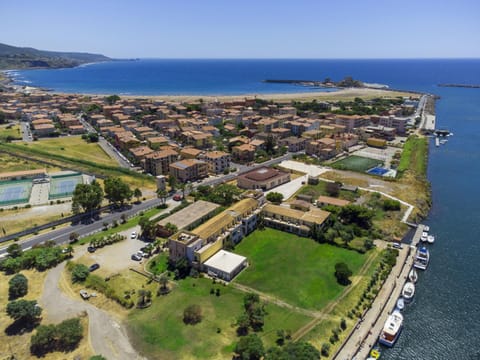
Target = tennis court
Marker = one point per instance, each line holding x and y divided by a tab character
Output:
64	185
378	171
15	192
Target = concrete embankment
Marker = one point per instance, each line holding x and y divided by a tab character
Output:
365	335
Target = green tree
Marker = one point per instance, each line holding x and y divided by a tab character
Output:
17	286
270	145
172	182
112	99
293	350
87	196
192	314
275	197
14	250
148	228
250	347
137	193
73	237
69	333
343	273
97	357
162	195
80	273
391	205
117	191
44	340
26	311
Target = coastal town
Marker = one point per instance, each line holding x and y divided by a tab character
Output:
175	227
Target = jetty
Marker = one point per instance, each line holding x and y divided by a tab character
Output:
364	335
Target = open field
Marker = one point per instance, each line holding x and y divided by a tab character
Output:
414	156
11	163
294	269
19	344
320	189
8	131
74	147
161	333
356	163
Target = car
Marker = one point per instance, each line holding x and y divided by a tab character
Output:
397	245
84	294
177	197
141	253
136	257
133	235
93	267
91	249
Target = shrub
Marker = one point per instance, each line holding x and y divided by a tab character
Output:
342	273
80	273
325	349
17	286
192	314
62	337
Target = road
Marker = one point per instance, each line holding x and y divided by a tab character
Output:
106	334
61	235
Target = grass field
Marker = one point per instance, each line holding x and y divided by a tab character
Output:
74	147
356	163
320	189
12	163
158	264
160	332
414	156
10	131
295	269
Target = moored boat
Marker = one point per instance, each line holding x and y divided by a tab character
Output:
422	257
400	303
375	353
413	275
408	291
426	228
424	236
391	330
431	239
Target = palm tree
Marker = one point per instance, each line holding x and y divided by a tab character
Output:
182	186
69	250
162	195
138	194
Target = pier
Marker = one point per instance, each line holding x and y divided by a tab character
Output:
365	334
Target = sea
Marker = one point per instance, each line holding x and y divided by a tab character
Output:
443	321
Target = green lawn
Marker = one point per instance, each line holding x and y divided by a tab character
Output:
161	334
158	264
320	189
13	132
414	156
295	269
75	147
356	163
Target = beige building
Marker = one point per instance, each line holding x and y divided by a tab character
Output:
189	170
158	162
217	161
263	178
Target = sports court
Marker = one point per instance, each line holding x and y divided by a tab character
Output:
378	171
356	163
15	192
64	185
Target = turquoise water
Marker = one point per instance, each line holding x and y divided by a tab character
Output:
443	321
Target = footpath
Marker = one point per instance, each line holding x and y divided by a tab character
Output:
365	334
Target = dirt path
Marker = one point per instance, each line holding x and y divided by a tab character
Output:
107	336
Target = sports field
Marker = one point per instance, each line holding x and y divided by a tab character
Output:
15	192
64	186
356	163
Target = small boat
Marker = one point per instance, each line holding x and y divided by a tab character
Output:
413	276
431	239
424	236
400	303
422	257
391	330
408	291
426	228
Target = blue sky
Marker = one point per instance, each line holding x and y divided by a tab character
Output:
247	28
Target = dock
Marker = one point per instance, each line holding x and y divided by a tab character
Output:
365	335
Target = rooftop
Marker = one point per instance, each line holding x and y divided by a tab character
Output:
225	261
263	173
183	218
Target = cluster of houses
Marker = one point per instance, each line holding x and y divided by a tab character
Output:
190	141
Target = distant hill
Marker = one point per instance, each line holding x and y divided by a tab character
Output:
12	57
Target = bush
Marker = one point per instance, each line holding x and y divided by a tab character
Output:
342	273
62	337
192	314
275	197
80	273
391	205
17	287
325	349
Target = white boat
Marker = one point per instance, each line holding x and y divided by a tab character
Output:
413	276
426	228
408	291
422	257
431	239
391	330
400	303
424	236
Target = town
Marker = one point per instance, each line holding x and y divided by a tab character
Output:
183	208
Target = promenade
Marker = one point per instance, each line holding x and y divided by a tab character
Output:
365	334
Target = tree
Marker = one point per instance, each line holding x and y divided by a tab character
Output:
17	286
171	227
270	145
137	193
148	228
295	350
250	347
357	214
172	182
162	195
243	323
342	273
14	250
97	357
112	99
69	333
275	197
391	205
87	196
62	337
2	117
163	281
44	340
192	314
325	351
117	191
73	237
80	273
26	311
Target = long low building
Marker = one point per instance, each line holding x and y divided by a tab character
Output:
192	215
263	178
225	265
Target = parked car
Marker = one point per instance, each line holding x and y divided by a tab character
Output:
91	249
141	253
136	257
133	235
84	294
177	197
397	245
93	267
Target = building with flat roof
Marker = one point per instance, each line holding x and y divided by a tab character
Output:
327	200
295	221
191	216
263	178
217	161
189	170
158	162
225	265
